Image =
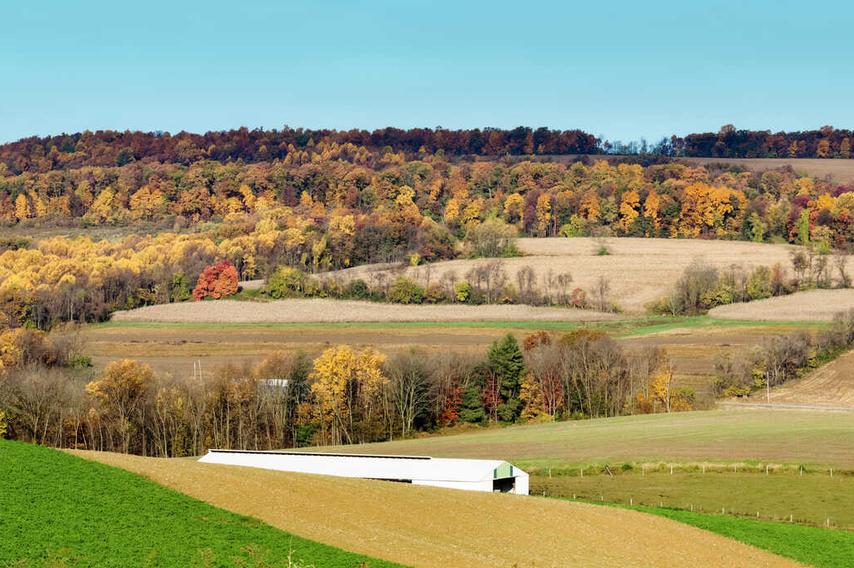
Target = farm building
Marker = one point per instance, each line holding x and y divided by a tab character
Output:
471	475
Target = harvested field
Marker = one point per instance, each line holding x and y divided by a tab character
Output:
748	435
812	305
424	526
639	270
831	385
838	170
320	310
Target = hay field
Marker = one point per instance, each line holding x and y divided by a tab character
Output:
838	170
639	270
745	435
425	526
811	305
332	311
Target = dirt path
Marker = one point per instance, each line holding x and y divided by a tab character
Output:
423	526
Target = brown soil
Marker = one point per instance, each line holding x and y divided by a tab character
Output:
423	526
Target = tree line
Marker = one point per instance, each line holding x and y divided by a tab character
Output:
117	148
342	396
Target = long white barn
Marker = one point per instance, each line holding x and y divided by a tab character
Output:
471	475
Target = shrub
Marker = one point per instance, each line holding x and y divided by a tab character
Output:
406	291
435	294
287	282
179	291
358	289
216	281
759	283
462	291
492	238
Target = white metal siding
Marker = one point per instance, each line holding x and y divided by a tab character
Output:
472	475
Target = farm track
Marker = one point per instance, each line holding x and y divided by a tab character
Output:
424	526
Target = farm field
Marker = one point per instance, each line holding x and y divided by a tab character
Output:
693	344
831	385
813	439
344	311
839	170
811	545
60	510
812	498
639	270
400	522
812	305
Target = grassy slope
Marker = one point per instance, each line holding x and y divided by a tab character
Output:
813	439
62	510
810	545
810	498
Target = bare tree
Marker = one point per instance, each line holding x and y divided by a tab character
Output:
840	263
601	293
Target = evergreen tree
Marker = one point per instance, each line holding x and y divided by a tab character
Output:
506	361
471	409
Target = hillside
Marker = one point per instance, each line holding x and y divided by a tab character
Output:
638	270
830	386
810	305
793	437
425	526
60	510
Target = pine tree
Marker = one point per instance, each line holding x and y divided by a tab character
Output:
471	409
506	361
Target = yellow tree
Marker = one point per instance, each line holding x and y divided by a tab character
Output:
544	214
22	207
514	208
629	205
651	206
121	391
346	386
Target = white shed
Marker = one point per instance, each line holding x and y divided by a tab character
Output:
471	475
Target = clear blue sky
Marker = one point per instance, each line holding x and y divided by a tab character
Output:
622	69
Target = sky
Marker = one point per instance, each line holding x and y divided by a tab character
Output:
619	69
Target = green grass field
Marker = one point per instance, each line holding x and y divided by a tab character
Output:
817	440
630	326
60	510
813	498
823	548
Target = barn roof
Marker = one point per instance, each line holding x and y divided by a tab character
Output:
391	467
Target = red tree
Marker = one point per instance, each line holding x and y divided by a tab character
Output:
216	281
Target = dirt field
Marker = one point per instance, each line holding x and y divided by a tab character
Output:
320	310
424	526
812	305
639	270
